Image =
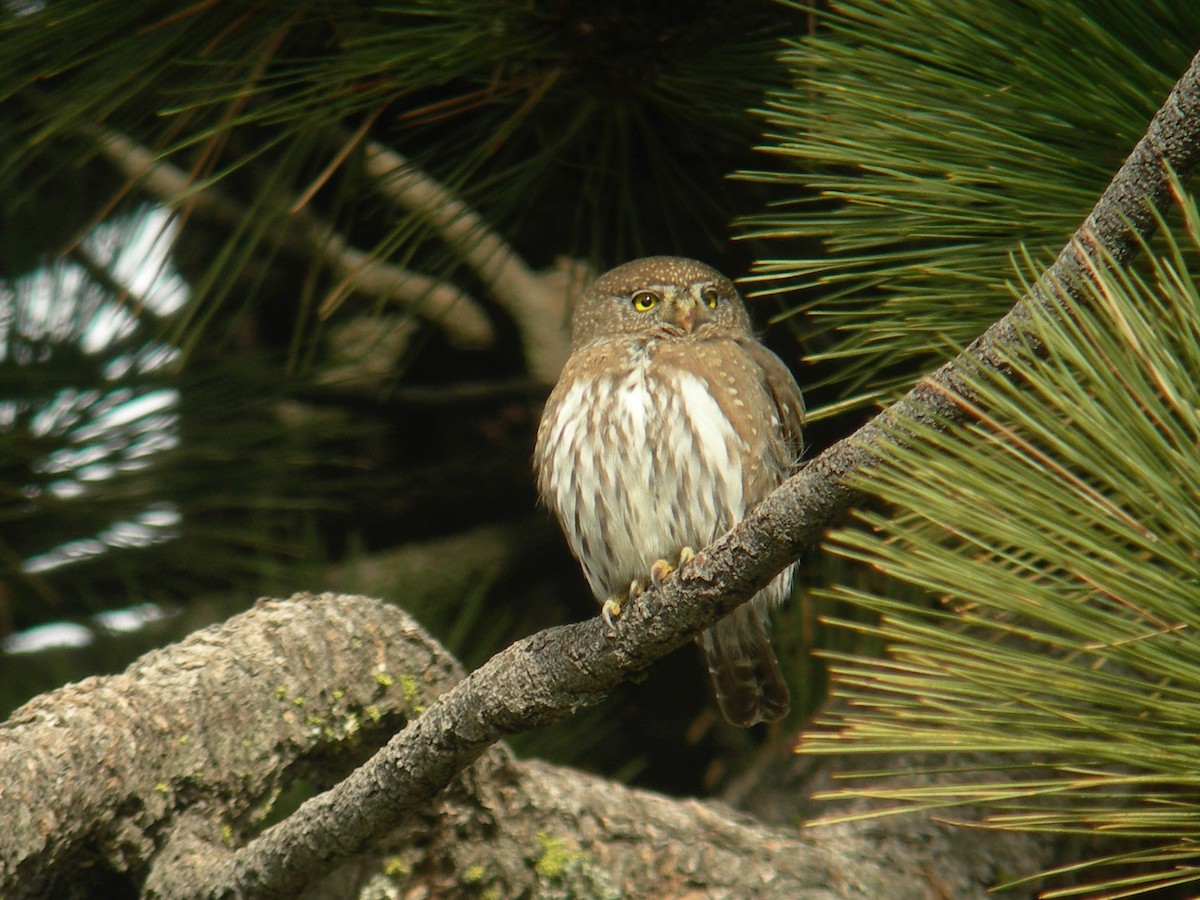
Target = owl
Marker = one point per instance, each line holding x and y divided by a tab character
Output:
669	422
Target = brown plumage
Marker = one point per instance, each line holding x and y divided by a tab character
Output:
669	422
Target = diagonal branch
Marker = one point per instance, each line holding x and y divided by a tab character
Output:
549	675
457	312
537	301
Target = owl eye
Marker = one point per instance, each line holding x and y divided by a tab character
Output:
644	301
710	295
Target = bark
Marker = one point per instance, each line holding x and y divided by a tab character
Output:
97	775
146	780
527	828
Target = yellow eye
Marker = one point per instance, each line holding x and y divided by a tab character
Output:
644	301
709	295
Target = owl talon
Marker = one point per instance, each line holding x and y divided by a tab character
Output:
610	610
613	606
660	568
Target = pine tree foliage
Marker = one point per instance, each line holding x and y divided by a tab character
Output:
1057	533
921	142
320	400
573	127
1050	542
562	124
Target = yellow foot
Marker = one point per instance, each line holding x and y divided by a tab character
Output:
611	608
660	568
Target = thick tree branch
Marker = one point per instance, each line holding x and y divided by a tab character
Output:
160	771
213	727
549	675
537	301
524	828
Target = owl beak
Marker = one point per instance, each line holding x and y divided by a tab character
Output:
687	313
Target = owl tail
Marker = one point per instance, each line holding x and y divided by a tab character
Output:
745	673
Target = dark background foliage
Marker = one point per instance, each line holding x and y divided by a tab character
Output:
594	131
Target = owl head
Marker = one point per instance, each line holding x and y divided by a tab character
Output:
664	297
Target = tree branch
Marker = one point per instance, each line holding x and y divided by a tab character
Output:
160	771
537	301
97	771
549	675
430	298
525	828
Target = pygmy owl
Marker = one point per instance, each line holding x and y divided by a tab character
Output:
669	422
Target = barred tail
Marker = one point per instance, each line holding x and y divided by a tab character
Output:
745	673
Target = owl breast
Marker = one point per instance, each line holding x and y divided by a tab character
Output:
641	459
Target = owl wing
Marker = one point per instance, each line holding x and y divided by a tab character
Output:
782	387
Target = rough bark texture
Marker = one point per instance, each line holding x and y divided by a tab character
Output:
532	829
96	775
144	781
